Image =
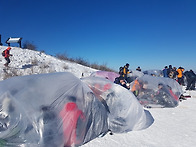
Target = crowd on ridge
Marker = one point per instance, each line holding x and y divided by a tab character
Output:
164	95
180	75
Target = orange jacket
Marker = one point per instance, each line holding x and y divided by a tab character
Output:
180	72
136	86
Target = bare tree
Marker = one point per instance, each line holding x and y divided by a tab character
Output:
29	45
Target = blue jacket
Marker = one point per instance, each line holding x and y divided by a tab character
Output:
165	73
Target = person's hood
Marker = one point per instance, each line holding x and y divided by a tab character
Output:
70	106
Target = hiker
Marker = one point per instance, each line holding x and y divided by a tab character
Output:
145	96
163	96
135	88
98	90
123	83
7	56
73	120
121	71
180	75
174	73
138	68
165	72
191	78
169	71
49	126
126	71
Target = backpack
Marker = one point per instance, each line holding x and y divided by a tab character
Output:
121	70
3	53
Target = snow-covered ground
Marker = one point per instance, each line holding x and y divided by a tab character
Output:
26	62
172	127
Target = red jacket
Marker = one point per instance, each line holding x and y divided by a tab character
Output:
70	115
7	52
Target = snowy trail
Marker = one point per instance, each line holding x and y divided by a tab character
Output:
173	127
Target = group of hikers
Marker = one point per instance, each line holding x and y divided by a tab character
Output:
140	88
179	75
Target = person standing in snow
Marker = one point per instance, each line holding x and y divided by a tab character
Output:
191	78
169	71
165	72
180	75
126	71
7	56
174	73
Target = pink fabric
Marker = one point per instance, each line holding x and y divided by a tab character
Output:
108	75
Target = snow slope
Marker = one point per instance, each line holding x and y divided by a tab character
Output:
26	62
173	127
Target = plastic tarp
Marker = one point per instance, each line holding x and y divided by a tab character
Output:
105	74
49	110
133	75
154	72
156	91
124	111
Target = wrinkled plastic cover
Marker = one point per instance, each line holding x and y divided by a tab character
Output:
154	72
105	74
124	111
148	93
136	73
50	110
133	75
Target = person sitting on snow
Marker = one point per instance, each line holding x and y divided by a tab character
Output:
73	120
123	83
164	96
138	68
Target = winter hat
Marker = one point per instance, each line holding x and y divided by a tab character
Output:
9	48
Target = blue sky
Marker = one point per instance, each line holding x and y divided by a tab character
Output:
146	33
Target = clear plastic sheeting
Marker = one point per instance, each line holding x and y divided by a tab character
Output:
124	111
155	72
105	74
49	110
156	91
133	75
